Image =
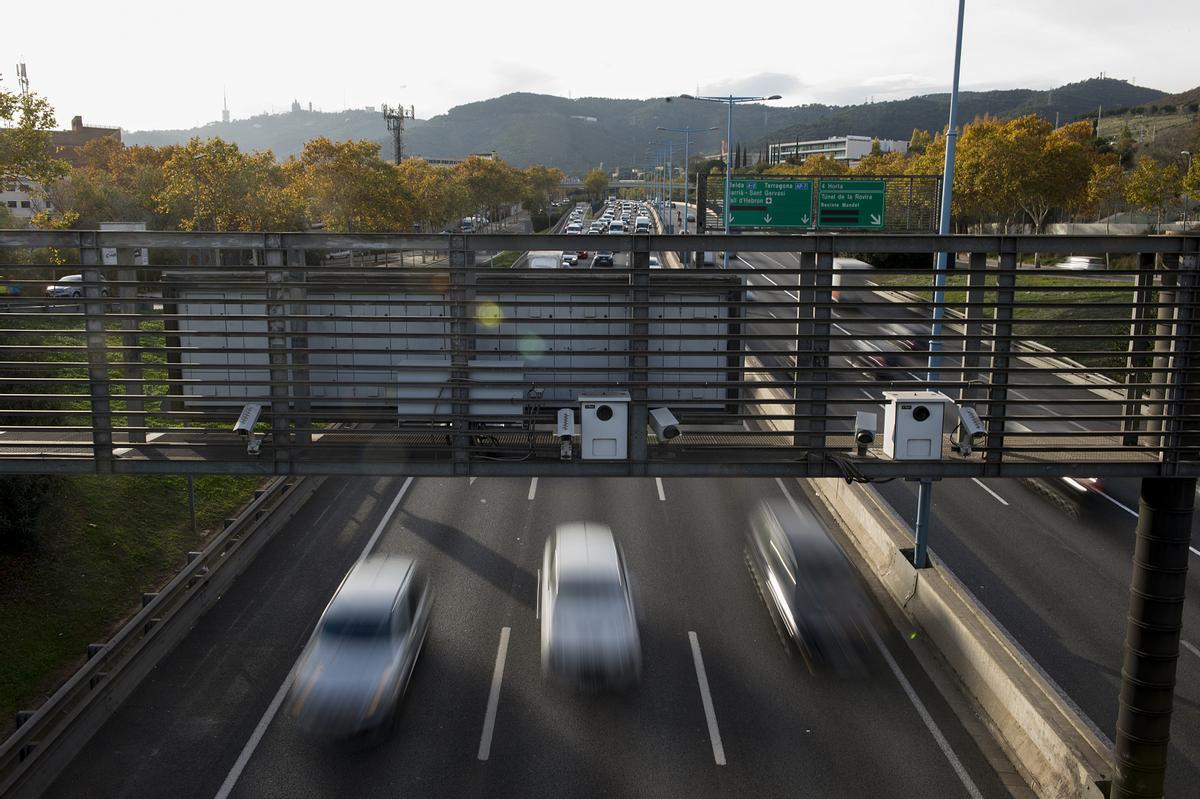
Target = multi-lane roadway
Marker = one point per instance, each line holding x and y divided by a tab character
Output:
722	710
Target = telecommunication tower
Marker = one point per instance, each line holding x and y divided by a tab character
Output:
395	122
23	79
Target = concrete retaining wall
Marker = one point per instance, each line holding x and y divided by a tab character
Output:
1058	751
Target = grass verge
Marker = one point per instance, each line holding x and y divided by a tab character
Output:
103	542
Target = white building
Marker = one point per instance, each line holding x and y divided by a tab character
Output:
22	197
841	148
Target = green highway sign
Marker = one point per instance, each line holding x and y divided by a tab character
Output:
850	203
770	203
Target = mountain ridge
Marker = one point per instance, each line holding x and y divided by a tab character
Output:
576	134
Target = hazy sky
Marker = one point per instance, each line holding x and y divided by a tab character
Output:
163	64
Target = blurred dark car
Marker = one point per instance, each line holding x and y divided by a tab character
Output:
885	358
602	258
357	666
810	588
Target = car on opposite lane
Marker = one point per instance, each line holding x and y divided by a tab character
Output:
589	631
358	663
602	258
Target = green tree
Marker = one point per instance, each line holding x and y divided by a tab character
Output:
1106	186
596	183
1191	181
919	140
1052	167
1126	147
347	187
26	149
1151	185
540	183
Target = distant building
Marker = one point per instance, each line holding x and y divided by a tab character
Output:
68	142
21	197
849	149
452	161
296	109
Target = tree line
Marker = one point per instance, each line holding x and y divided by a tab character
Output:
1025	170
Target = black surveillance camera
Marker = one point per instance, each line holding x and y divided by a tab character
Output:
920	413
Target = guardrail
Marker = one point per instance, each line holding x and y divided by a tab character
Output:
48	738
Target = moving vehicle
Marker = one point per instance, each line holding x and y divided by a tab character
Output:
357	665
655	263
569	259
641	224
616	226
885	359
602	258
589	629
71	286
543	259
809	587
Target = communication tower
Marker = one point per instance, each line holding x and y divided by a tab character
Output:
395	123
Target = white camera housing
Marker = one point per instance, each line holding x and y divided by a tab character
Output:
664	423
912	425
244	426
865	424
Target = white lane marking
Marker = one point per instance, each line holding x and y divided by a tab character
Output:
1188	646
930	724
489	719
714	734
532	488
471	480
1120	505
263	723
995	496
662	497
788	494
1195	551
795	296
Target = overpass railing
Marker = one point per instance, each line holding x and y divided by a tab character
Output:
451	362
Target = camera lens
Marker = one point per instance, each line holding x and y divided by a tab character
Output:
605	412
920	413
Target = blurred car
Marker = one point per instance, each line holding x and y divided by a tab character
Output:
357	664
581	254
569	259
1087	262
602	258
809	587
885	359
655	263
71	286
589	629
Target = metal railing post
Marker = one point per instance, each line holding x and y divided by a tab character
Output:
822	314
998	377
1141	327
99	387
802	371
298	326
277	354
131	341
462	345
639	330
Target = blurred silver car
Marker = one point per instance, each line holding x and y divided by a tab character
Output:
357	665
589	629
809	587
72	286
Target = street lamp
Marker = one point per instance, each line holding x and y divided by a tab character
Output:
687	141
669	149
730	99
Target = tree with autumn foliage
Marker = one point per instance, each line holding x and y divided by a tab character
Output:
26	149
1151	185
347	187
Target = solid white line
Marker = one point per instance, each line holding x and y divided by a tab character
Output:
930	724
662	497
489	719
1120	505
471	480
1195	551
788	494
387	517
263	723
996	496
714	734
532	488
1190	648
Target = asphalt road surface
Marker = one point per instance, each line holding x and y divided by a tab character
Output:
202	725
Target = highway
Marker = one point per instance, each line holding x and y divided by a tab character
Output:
202	724
1050	564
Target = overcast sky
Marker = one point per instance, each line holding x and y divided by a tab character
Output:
143	65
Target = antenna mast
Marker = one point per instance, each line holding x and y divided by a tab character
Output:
395	123
23	79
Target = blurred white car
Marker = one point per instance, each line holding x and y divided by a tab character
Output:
570	259
71	286
655	263
589	629
357	665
